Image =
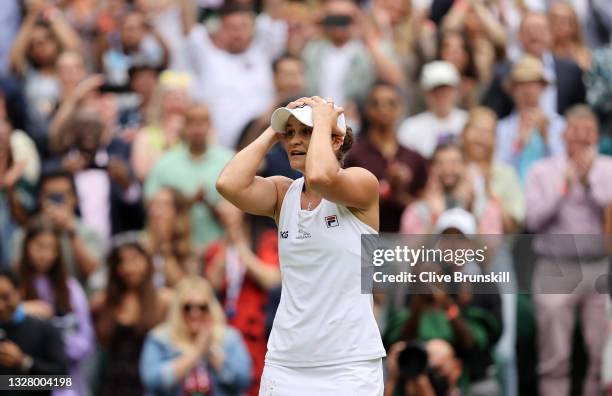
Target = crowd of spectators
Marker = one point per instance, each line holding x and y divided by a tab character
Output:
122	266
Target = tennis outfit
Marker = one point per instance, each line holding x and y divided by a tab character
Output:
324	339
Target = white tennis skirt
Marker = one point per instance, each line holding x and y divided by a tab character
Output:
364	378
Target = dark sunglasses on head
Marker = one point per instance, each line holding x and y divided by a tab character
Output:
187	308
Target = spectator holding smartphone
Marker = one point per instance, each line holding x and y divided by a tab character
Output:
81	247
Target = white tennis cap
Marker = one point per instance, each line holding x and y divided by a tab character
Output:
439	73
304	115
458	219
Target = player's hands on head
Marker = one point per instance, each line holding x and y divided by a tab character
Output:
324	111
298	103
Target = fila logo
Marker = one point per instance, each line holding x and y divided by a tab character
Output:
332	221
284	234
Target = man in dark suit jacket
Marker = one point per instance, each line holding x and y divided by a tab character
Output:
28	346
535	38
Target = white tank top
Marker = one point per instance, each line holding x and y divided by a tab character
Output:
322	317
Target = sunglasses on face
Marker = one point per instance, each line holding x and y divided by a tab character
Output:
337	21
202	308
56	198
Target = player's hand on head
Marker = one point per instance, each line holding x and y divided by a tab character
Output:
324	111
297	103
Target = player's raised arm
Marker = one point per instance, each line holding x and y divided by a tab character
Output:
352	187
239	184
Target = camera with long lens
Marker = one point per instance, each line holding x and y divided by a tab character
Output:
413	362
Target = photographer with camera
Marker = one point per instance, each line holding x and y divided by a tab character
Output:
469	322
423	369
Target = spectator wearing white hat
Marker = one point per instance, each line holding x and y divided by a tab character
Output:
442	121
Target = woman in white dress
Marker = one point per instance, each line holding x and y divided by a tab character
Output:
324	339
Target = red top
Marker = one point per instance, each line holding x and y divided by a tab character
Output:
250	316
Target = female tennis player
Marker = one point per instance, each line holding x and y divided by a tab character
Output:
324	339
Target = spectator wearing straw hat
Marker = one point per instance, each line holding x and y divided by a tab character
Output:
529	133
566	87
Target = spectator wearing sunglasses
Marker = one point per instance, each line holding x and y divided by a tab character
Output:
194	352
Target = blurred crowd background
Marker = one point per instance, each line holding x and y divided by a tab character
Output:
122	266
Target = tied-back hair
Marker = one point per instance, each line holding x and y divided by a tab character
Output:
116	289
57	273
347	144
175	324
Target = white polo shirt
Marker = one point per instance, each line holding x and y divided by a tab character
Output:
236	87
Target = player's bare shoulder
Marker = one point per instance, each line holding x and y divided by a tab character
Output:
282	184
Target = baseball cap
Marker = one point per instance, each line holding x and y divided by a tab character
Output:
458	219
439	73
303	115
